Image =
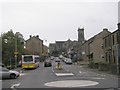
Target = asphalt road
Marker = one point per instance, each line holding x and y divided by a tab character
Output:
72	76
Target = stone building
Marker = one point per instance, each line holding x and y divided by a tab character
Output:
45	50
34	45
111	50
59	45
69	46
91	50
85	51
52	47
95	47
77	49
81	37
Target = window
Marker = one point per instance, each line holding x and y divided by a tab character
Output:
106	56
113	56
117	37
113	39
105	43
28	58
109	41
37	59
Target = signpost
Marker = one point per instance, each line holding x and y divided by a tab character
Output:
16	53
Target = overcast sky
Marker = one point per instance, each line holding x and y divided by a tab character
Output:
58	20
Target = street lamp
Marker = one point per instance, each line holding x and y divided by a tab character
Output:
6	41
16	51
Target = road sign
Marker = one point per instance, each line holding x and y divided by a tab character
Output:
15	53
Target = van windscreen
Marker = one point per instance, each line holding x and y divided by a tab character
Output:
28	58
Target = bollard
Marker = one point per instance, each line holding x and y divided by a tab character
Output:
58	66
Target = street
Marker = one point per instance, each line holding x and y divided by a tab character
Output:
72	76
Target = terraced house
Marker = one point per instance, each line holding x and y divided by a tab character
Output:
111	50
92	51
35	46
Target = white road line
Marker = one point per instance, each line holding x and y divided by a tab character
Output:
64	74
52	70
80	72
71	83
21	74
103	75
15	85
98	78
80	66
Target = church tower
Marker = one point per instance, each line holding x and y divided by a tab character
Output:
81	37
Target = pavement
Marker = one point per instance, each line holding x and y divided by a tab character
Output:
98	71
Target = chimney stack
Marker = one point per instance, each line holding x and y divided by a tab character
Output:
118	26
37	36
105	29
30	36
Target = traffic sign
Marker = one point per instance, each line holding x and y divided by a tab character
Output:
15	53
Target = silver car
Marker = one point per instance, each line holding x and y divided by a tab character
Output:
68	61
6	73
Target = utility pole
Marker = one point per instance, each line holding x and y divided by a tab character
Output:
16	51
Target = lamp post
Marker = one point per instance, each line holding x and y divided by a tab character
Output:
10	64
16	51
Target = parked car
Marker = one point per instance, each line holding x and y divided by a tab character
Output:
57	60
52	57
60	57
47	63
65	59
6	73
2	65
68	61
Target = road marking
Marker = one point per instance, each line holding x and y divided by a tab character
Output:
15	85
64	74
71	83
98	78
21	74
80	72
103	75
52	70
80	66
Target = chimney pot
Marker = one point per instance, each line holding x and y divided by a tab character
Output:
37	36
105	29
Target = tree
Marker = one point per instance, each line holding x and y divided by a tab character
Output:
0	49
55	53
9	40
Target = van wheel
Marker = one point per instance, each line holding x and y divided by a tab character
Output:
12	76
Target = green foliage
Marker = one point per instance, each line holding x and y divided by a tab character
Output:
103	66
91	64
55	53
9	42
0	49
